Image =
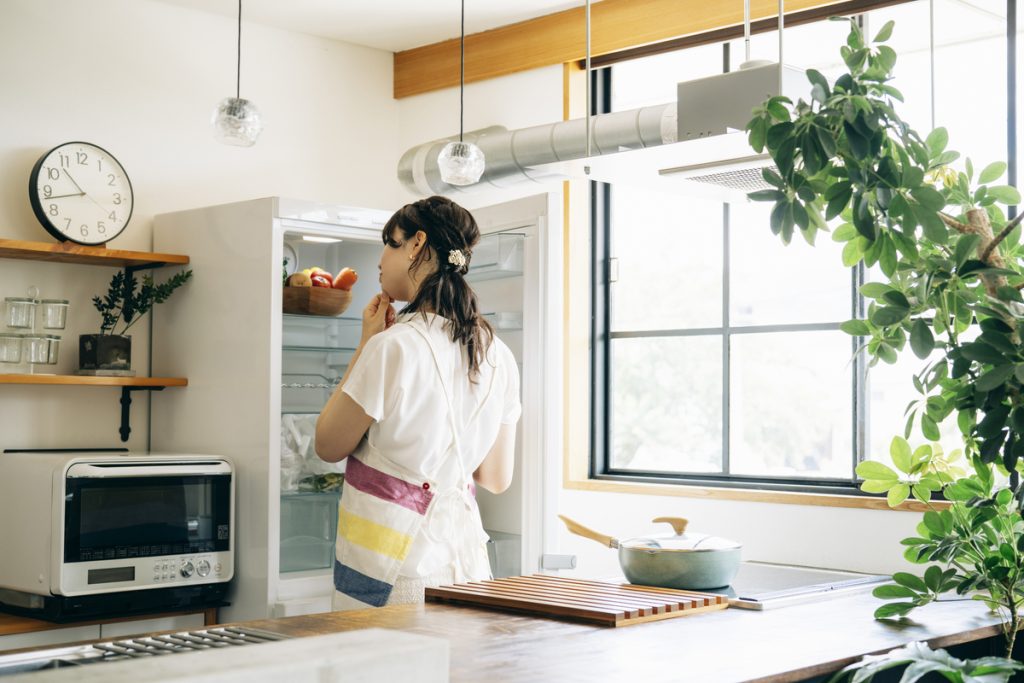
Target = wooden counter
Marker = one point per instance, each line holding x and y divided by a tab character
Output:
787	644
11	624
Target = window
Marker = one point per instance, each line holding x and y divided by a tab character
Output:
718	357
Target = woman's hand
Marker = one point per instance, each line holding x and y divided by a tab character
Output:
378	316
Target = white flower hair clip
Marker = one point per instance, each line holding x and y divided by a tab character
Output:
457	258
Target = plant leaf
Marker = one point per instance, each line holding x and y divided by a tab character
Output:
992	172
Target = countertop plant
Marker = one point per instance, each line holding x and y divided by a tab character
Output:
951	290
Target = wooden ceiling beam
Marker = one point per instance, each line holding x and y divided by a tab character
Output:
561	37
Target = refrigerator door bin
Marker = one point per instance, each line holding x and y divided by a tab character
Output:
497	256
309	524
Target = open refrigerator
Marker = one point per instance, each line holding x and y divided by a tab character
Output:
259	377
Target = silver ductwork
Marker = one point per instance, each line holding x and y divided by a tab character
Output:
512	155
708	110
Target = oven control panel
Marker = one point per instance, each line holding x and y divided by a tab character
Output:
176	570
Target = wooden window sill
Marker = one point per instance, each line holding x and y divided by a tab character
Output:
750	495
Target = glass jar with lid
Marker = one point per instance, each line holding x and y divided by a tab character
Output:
53	348
20	312
10	347
37	348
54	313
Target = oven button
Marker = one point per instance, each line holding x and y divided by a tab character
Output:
187	569
203	568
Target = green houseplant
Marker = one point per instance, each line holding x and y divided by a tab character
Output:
126	301
952	280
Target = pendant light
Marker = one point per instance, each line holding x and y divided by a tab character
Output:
237	121
461	163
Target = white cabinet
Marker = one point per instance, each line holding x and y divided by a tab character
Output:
249	366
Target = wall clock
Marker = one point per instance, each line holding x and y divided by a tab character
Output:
81	193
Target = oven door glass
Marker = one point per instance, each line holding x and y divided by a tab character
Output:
113	518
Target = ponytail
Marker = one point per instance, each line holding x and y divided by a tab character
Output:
452	232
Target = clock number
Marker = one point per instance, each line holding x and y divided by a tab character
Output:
64	160
82	158
52	173
101	227
53	210
117	197
67	224
47	191
99	165
85	230
111	178
113	216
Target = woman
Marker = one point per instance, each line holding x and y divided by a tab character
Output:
427	407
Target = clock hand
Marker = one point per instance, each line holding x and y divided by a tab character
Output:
61	196
79	187
102	208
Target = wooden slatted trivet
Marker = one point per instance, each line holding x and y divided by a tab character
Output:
600	602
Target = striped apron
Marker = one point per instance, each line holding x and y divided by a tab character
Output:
384	507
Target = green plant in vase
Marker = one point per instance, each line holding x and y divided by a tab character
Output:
126	301
951	290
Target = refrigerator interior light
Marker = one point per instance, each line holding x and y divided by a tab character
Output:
320	239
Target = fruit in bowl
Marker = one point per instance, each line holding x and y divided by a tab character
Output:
314	291
346	278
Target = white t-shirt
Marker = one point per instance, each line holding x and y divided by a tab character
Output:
396	383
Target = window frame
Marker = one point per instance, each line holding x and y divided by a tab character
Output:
601	198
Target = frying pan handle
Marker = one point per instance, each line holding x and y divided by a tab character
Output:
678	523
580	530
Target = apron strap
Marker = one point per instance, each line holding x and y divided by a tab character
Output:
448	401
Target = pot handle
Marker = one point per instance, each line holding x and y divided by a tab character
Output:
580	530
678	523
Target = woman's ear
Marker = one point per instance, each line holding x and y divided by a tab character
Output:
419	241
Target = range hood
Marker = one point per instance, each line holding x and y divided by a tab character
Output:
694	145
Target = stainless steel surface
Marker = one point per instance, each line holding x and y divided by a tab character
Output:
134	648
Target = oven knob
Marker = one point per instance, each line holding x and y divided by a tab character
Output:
187	569
202	568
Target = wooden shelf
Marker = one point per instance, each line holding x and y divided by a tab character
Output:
89	380
69	252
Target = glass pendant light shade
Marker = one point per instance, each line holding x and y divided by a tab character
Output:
461	163
237	122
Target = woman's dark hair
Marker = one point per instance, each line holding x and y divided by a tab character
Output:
448	227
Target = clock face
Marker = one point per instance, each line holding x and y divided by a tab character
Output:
80	192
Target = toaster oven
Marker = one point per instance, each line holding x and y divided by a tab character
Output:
83	535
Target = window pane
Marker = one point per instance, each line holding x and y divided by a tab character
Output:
652	80
666	404
771	283
791	404
669	252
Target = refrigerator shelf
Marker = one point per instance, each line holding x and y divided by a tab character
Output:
505	320
318	349
497	256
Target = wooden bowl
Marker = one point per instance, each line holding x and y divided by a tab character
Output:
315	300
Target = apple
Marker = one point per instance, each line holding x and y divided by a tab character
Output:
320	281
298	280
346	278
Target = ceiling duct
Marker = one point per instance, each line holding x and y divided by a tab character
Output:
696	140
526	154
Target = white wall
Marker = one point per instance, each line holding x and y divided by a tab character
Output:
141	79
864	540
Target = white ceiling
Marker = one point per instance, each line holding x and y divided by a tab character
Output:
392	25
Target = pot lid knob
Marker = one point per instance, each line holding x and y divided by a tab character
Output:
678	523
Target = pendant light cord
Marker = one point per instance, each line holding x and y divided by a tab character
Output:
238	61
462	66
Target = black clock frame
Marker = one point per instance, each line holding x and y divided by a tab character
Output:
37	207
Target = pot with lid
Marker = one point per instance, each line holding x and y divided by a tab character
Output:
678	560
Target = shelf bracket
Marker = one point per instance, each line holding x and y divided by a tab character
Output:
126	404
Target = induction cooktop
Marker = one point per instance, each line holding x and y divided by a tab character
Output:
765	585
